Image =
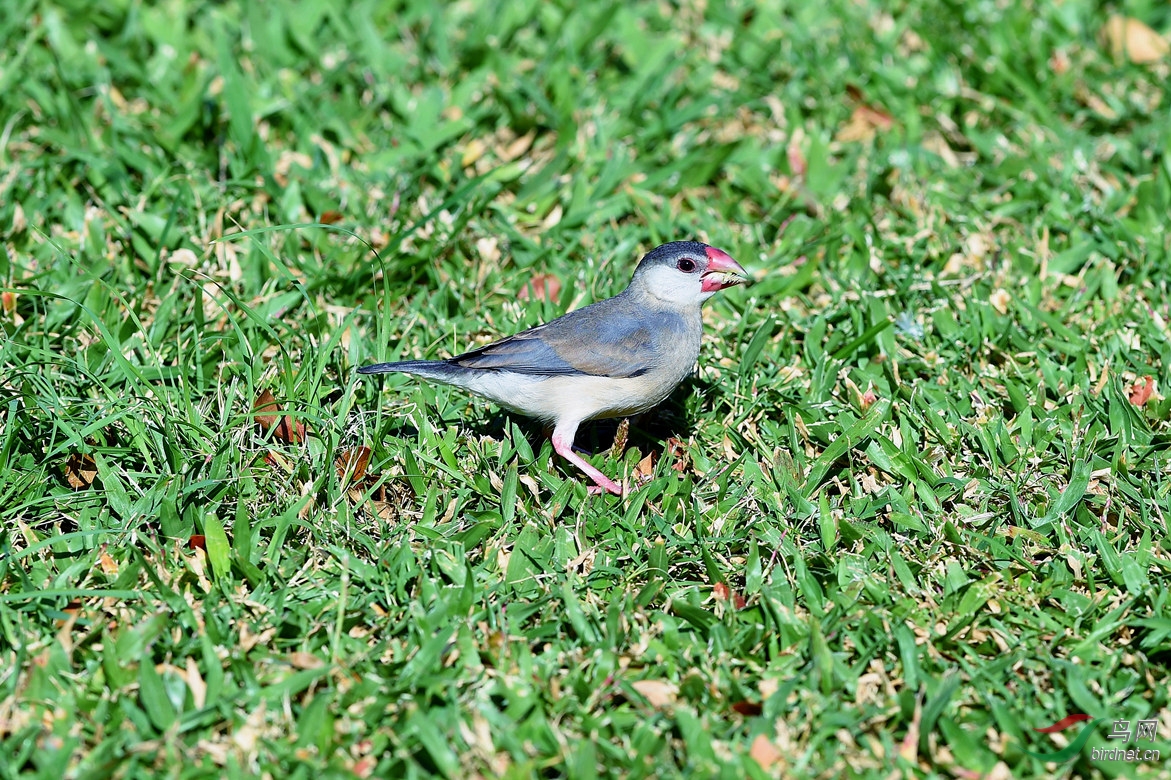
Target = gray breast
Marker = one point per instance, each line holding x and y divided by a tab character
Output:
677	339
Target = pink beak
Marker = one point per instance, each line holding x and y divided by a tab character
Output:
719	264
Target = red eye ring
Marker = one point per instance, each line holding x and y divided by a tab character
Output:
686	265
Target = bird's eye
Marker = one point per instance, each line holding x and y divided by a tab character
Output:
686	265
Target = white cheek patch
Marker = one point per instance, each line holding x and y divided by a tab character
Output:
673	285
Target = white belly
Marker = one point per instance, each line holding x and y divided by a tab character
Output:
563	398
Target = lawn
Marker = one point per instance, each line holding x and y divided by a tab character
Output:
911	508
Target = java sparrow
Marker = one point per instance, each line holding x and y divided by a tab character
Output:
614	358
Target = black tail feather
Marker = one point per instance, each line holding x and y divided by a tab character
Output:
402	366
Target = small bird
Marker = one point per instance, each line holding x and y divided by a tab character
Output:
614	358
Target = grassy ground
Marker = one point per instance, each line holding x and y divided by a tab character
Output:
913	506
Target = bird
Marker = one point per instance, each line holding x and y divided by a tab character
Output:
614	358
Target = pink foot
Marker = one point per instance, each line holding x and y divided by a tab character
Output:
563	446
617	488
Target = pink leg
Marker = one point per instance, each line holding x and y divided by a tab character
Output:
563	446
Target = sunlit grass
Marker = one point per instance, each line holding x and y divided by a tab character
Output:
911	507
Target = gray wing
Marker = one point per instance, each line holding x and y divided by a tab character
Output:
611	338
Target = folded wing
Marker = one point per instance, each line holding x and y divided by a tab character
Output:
591	341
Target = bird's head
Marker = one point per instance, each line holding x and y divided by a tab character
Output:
686	272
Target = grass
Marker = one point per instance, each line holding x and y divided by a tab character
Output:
915	502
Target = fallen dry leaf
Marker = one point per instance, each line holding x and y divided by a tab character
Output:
553	218
677	452
267	416
472	152
866	120
108	564
764	752
747	708
797	164
353	462
1097	104
80	471
1000	300
285	163
645	468
388	500
19	221
724	593
517	148
542	287
1140	392
364	767
1133	40
658	692
197	542
265	403
195	683
909	749
72	611
1059	62
302	660
278	461
330	217
247	736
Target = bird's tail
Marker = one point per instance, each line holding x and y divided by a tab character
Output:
432	369
498	386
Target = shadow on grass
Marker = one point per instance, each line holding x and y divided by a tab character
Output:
649	431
